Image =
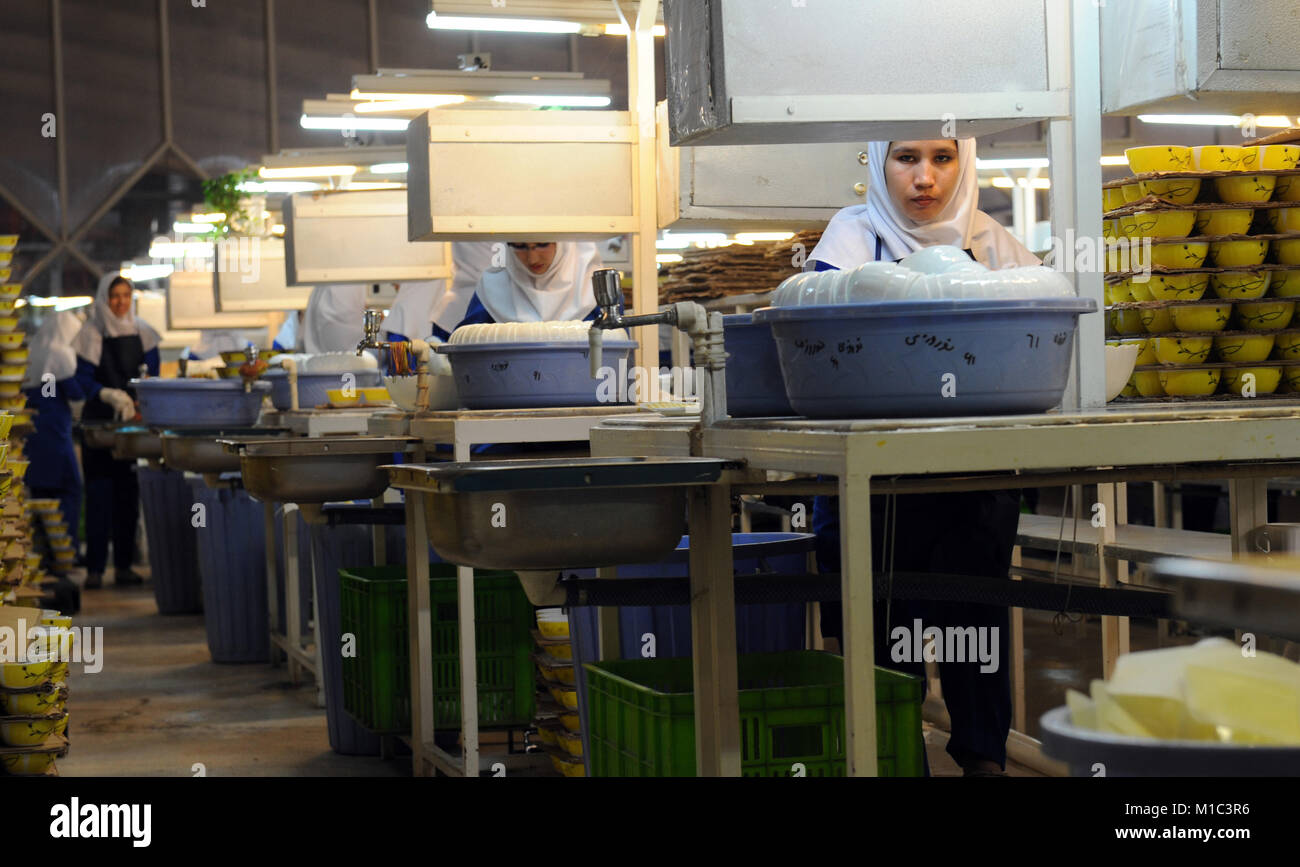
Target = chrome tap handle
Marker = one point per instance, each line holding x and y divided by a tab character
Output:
608	288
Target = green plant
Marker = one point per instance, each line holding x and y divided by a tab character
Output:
222	195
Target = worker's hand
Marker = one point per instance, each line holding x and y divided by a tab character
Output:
121	402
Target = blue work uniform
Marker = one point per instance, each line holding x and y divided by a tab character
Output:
53	471
112	490
965	533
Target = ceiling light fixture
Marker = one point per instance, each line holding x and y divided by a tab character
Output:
434	21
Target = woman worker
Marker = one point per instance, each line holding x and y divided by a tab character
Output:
52	390
111	348
539	283
923	194
433	308
335	319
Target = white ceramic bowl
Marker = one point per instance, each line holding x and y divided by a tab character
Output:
1120	361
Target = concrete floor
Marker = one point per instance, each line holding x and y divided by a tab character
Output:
160	705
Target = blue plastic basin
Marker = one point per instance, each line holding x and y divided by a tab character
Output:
313	388
755	386
925	358
184	403
541	374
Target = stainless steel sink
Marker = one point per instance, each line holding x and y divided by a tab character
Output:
99	435
317	469
201	451
130	443
556	513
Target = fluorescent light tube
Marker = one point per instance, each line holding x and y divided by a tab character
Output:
434	21
1028	163
306	172
567	101
373	124
389	168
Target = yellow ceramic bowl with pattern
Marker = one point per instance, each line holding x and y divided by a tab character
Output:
8	323
1177	287
27	733
1146	351
1201	317
1238	254
1156	320
15	356
1147	383
1284	284
1266	315
18	468
25	703
1180	191
21	675
553	629
1241	285
1118	293
1163	224
565	697
1287	346
1109	229
571	722
11	290
572	743
13	404
1127	226
1140	290
1158	158
1112	198
1129	389
1218	158
11	389
1285	219
1225	221
1278	157
1291	379
1237	348
558	651
1131	192
1288	252
12	340
1242	380
27	764
7	306
548	736
1287	188
13	369
1182	350
1189	254
1245	189
1193	382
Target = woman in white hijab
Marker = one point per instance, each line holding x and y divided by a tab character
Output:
52	390
112	349
924	194
335	319
539	283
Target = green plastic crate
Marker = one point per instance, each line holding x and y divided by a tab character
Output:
642	717
377	681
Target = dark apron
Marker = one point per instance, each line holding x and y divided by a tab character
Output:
964	533
119	363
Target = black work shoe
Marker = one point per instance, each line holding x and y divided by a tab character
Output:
126	578
94	581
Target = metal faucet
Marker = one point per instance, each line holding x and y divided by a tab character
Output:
371	324
705	329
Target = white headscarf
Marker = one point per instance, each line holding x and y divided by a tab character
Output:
411	313
850	237
89	343
562	292
51	349
213	342
334	321
469	259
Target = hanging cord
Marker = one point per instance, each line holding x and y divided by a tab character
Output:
887	556
1063	616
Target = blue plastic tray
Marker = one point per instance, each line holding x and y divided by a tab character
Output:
925	358
188	403
755	386
313	388
541	374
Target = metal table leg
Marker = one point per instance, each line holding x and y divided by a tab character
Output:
272	600
316	579
713	634
468	667
293	613
420	630
859	650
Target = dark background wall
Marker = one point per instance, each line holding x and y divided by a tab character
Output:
134	143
